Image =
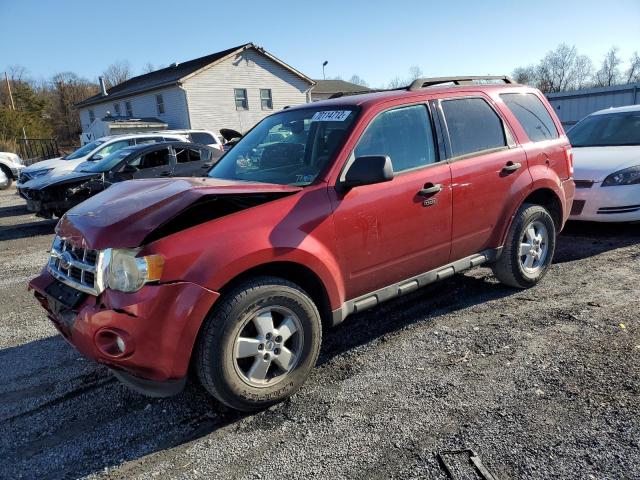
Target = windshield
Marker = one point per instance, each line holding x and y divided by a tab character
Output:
84	150
107	163
607	130
288	148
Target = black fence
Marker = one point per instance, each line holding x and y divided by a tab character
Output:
33	150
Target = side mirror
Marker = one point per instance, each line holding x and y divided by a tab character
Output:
96	157
368	170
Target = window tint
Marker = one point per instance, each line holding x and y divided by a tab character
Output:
240	95
185	155
532	115
160	104
203	138
473	126
266	101
404	134
157	158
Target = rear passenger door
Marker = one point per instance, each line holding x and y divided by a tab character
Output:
157	163
488	169
190	161
391	231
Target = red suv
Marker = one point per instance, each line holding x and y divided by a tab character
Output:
320	211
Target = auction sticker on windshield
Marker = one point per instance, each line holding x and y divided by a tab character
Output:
331	116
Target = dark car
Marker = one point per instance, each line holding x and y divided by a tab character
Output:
49	196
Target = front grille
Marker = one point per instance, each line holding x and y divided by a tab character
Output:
583	183
621	209
577	207
75	266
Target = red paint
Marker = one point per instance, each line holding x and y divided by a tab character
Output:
354	242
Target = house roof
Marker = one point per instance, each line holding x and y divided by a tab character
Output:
174	74
335	86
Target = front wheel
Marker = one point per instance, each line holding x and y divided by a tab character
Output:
528	249
259	344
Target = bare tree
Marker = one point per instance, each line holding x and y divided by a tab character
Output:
17	73
609	73
148	68
525	75
117	72
556	71
633	73
583	72
66	90
396	82
415	72
356	79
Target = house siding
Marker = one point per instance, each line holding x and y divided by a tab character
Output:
144	105
211	99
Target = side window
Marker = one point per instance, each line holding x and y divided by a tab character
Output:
116	108
186	155
203	138
128	108
404	134
532	115
112	147
266	100
473	126
157	158
240	95
160	104
145	140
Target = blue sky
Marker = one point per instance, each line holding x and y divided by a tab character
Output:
376	40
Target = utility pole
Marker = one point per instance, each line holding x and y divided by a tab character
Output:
324	64
13	106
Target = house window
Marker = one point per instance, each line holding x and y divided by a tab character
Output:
116	108
128	108
266	102
241	98
160	104
92	116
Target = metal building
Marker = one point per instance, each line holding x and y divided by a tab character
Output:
571	107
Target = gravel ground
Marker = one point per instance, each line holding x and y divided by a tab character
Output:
543	383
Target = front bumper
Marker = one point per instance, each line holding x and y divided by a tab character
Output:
159	325
15	170
596	203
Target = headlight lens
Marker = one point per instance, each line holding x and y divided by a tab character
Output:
128	273
628	176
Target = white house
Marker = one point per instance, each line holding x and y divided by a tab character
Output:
233	89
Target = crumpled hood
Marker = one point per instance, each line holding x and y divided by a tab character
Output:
126	213
596	163
45	181
51	163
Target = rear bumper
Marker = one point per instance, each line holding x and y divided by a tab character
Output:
569	189
607	204
159	325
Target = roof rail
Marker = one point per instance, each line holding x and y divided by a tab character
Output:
419	83
360	92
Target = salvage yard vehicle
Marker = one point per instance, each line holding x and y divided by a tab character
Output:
91	152
201	136
11	165
377	194
606	146
4	180
48	196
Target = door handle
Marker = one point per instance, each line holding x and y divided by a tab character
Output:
430	189
511	167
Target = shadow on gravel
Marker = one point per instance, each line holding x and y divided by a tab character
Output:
53	404
25	230
581	240
13	211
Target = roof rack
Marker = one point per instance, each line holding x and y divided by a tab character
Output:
419	83
360	92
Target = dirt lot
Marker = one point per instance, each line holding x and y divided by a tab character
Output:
541	384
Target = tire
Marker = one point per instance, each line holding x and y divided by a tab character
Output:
524	271
7	172
233	345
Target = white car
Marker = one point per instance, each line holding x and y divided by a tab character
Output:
11	165
203	137
4	180
96	150
606	157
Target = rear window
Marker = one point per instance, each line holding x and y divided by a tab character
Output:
186	155
532	115
202	138
473	126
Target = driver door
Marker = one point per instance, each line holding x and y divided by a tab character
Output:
157	163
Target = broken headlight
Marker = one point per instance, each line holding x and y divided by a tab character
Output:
126	272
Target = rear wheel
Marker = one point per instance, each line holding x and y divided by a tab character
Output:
259	344
528	249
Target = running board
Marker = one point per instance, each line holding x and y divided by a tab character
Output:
370	300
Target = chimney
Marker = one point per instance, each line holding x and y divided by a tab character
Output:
103	88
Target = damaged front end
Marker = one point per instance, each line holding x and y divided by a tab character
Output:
55	199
